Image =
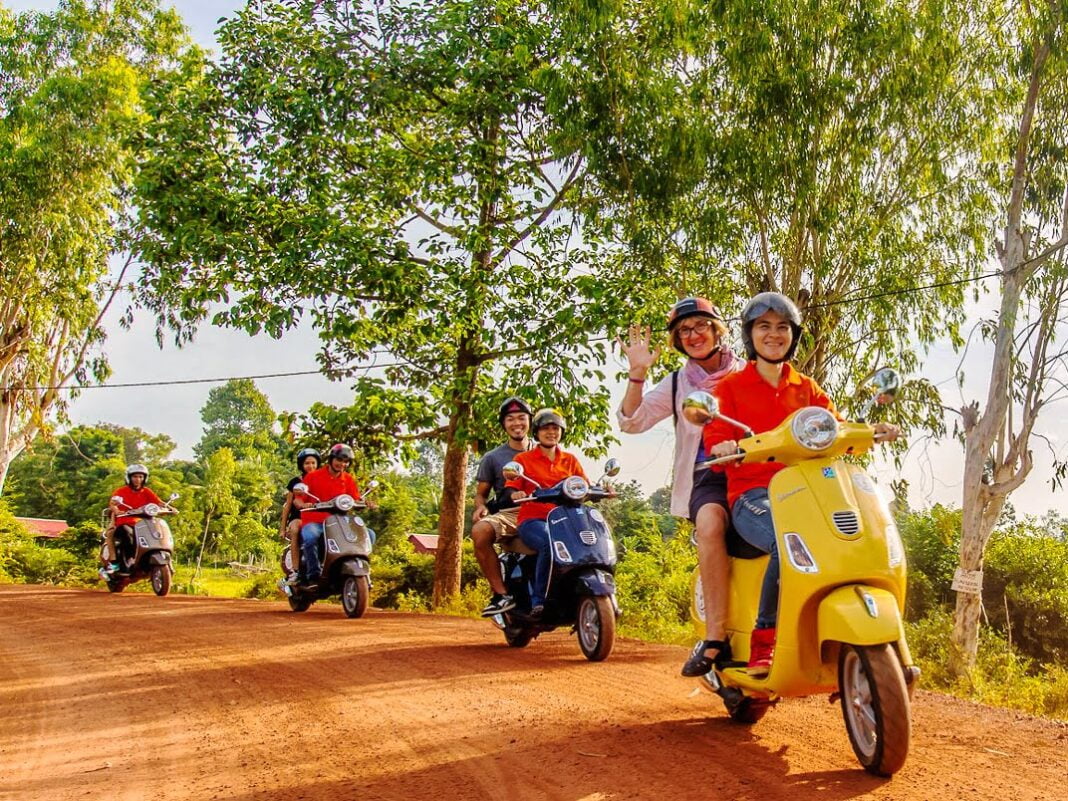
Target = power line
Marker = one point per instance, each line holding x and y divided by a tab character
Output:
328	373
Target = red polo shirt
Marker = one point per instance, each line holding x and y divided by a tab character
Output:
134	500
326	487
536	465
748	398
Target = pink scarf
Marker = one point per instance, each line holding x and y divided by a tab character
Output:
697	377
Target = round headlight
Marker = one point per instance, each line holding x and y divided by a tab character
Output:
344	502
576	488
814	428
151	509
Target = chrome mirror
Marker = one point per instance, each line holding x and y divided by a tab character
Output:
699	407
512	470
301	487
612	468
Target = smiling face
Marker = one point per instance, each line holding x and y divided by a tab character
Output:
549	435
697	336
772	336
517	424
309	464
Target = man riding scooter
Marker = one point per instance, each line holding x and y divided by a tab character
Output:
495	519
324	484
132	495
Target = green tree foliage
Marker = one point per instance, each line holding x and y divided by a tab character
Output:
238	416
140	446
71	91
830	150
395	174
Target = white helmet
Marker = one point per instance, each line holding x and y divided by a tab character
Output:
136	468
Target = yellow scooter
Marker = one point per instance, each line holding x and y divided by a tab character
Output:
842	584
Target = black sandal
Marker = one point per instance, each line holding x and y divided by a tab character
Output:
698	664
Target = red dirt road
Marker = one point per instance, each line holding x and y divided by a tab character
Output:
240	700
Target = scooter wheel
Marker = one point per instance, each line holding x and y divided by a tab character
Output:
596	627
299	603
748	711
875	706
354	593
161	580
517	637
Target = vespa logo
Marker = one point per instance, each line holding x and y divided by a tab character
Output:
869	602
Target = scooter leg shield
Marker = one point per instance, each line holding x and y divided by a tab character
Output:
860	615
159	558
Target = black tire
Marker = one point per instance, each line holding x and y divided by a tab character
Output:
518	637
875	706
115	586
161	579
300	603
748	711
595	624
354	595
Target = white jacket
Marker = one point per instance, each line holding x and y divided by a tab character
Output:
656	406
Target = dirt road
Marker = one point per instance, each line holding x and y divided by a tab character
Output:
137	697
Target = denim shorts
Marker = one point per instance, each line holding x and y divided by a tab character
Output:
709	486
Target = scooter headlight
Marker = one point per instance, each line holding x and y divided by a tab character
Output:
151	509
576	488
814	428
344	503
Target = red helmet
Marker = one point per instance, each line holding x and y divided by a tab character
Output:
692	307
340	451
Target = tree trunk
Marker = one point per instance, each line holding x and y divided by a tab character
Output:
450	521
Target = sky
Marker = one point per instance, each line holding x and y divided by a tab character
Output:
932	468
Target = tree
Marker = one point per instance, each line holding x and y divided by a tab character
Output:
239	417
71	85
394	172
217	500
827	150
1028	368
140	446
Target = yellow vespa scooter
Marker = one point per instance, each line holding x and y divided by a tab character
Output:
842	585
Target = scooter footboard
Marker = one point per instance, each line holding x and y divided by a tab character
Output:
861	615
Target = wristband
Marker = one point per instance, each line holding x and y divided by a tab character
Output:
635	380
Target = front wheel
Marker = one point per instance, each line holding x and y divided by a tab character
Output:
115	586
596	627
875	706
300	603
161	579
518	637
354	593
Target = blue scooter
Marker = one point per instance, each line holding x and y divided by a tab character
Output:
582	587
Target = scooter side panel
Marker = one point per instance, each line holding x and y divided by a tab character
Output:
844	617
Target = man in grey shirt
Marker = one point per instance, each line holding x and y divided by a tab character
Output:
492	523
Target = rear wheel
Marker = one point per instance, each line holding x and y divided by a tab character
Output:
875	706
299	603
161	579
596	627
354	593
115	586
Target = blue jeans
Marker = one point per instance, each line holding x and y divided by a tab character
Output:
535	535
310	534
751	515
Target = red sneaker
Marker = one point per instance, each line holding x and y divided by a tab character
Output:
761	650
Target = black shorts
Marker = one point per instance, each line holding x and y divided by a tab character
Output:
709	486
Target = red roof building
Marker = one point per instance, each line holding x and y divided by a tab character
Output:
44	527
424	543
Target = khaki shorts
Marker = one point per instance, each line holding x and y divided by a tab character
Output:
503	523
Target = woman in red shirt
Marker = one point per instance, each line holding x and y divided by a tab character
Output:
547	464
761	396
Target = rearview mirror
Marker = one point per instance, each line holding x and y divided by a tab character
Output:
301	487
611	468
174	496
512	470
699	407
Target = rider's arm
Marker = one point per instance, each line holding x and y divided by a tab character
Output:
286	508
482	489
652	407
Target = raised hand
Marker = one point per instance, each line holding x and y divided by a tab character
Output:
640	357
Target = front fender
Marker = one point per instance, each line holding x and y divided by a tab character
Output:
355	567
846	615
159	558
595	582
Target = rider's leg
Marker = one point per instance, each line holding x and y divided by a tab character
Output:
310	533
752	520
293	532
483	535
110	554
535	535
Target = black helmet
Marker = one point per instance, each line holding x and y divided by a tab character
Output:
136	468
340	451
761	304
545	417
304	453
513	404
692	307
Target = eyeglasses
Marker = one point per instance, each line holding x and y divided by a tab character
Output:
697	329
